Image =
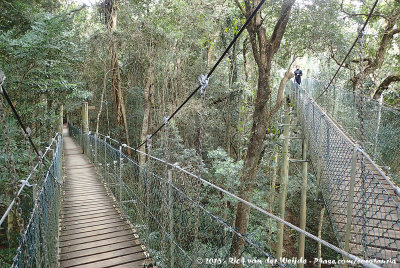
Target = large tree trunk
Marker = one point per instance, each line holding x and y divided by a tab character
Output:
111	9
264	50
148	108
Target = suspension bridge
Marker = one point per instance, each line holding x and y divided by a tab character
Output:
107	210
98	207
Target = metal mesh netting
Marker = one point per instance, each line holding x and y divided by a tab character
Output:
182	220
381	123
38	247
163	206
361	200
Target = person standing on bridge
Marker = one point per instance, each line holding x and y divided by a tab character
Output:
297	75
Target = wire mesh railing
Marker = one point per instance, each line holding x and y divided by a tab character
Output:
38	246
381	131
362	201
182	219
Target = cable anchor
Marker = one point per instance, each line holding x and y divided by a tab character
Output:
203	80
148	140
165	120
2	79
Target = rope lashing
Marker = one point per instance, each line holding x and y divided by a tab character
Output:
203	80
26	183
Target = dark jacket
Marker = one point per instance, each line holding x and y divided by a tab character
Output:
297	75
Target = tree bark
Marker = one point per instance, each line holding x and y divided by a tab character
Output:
264	50
148	108
111	9
385	84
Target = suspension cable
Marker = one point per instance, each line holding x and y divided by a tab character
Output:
26	181
26	133
244	26
351	48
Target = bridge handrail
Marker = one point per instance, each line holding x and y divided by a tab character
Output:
26	181
375	198
38	246
362	151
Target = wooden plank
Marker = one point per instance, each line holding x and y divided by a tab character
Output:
93	228
96	250
97	233
92	213
91	224
92	233
80	209
103	236
131	255
95	244
85	204
88	219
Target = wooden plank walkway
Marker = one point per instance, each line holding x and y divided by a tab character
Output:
93	233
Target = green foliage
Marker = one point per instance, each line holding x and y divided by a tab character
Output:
223	169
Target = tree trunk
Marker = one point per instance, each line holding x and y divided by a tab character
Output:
148	108
111	8
264	50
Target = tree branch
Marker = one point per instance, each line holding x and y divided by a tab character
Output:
385	84
394	31
240	7
280	26
280	98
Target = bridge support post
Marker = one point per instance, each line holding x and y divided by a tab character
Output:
284	180
351	199
303	205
